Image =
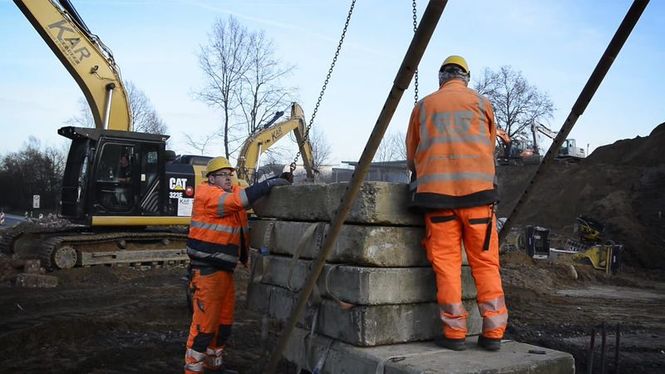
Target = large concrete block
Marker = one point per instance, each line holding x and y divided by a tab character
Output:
387	246
422	357
376	203
359	285
356	244
360	325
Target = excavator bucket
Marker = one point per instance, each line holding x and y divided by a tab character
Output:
605	257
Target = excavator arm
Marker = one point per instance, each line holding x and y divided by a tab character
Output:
89	62
260	141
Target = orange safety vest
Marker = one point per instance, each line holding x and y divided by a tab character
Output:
450	141
219	231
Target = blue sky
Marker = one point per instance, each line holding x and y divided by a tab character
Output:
556	45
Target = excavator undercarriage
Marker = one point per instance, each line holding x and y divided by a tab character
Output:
69	245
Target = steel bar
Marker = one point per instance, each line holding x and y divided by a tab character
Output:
620	37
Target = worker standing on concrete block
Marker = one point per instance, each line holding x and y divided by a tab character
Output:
450	151
218	239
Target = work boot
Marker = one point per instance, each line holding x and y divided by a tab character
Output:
452	344
490	344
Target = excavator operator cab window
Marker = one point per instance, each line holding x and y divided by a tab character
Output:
149	179
114	192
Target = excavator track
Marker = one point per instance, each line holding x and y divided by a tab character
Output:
69	246
8	238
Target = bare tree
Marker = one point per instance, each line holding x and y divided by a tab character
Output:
34	170
516	103
262	92
244	80
144	117
320	147
392	147
200	144
84	116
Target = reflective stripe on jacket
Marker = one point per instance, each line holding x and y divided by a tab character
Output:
450	141
219	231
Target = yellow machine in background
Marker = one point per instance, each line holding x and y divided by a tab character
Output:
605	257
259	142
122	190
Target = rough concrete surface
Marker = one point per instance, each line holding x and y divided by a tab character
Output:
390	246
359	285
361	325
415	358
377	203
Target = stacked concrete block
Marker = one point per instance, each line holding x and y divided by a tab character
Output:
377	287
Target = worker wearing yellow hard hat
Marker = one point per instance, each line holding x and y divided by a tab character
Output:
450	151
218	240
456	60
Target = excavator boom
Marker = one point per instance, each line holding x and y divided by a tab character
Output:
260	141
89	62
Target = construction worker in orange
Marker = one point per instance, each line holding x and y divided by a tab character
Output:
450	152
218	239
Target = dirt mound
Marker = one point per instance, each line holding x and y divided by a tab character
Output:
619	185
641	152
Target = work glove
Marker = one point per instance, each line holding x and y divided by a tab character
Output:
288	176
277	181
257	190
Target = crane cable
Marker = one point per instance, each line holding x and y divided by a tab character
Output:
325	85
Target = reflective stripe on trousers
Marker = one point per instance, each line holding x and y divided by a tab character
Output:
445	231
194	361
213	304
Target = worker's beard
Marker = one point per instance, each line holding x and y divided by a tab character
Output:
227	185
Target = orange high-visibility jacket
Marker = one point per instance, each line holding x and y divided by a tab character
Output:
219	232
450	142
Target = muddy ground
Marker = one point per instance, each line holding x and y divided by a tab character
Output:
116	320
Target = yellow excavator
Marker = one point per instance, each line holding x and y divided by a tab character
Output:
126	198
260	141
514	151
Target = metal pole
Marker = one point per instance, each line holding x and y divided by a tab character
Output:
107	110
580	105
400	84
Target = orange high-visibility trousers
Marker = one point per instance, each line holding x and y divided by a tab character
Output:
445	231
213	303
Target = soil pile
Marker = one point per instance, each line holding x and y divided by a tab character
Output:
620	185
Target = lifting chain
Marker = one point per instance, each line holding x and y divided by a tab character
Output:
325	85
415	78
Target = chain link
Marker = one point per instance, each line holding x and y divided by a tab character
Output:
415	27
325	85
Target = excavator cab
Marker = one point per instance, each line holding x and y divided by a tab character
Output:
113	173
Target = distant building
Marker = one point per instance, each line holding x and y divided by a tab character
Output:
384	171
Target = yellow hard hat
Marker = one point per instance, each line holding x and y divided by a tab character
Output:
456	60
218	163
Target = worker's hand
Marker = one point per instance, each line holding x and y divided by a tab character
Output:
288	176
272	182
258	190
